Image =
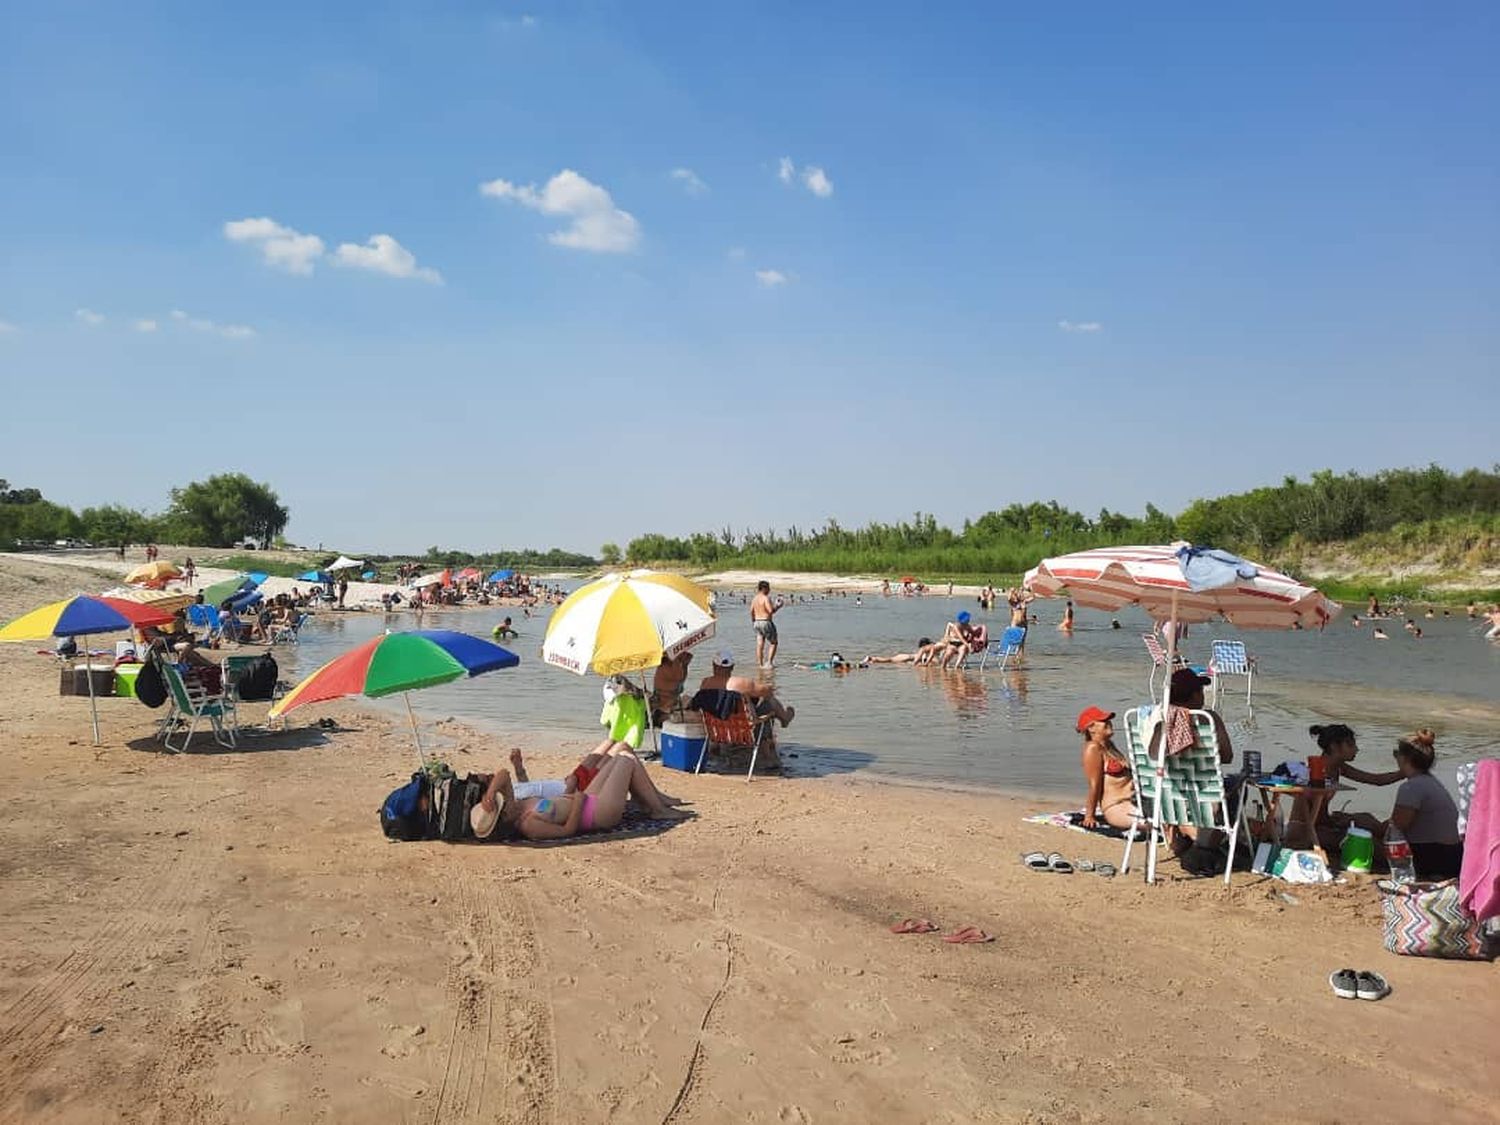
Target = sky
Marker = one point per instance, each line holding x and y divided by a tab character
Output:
492	275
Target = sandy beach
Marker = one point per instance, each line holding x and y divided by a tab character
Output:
225	936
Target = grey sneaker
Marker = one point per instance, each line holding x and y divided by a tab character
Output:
1371	986
1345	984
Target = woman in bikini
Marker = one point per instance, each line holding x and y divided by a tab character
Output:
1111	795
598	808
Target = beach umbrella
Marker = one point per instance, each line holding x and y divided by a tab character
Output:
321	577
627	623
220	592
468	574
500	575
257	576
169	600
153	573
84	617
429	580
399	662
1180	584
344	562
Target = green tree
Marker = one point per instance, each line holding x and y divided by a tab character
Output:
224	508
114	523
609	554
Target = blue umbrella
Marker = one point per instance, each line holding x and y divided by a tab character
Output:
257	576
501	576
319	576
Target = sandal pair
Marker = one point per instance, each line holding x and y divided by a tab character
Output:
1053	862
964	935
1105	870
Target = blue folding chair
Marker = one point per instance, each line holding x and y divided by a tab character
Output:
1007	647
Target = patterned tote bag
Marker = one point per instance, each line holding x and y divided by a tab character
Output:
1427	920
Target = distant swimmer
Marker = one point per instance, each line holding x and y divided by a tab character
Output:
1115	623
1066	625
1355	621
503	630
920	656
1374	607
1380	634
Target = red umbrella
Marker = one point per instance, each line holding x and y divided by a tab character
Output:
137	614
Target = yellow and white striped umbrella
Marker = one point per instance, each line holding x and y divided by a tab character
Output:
626	622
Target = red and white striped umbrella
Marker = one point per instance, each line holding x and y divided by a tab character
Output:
1153	578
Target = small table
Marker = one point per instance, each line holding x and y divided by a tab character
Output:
1317	796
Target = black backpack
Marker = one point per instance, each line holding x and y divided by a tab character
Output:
150	688
453	798
256	682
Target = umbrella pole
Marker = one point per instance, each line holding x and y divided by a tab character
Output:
88	663
415	733
650	726
1161	748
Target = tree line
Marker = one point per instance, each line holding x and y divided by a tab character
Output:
1326	508
216	512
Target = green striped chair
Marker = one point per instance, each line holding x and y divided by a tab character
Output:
1188	789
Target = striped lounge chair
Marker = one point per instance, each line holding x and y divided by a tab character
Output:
1187	789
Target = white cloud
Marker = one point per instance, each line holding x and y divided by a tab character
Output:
597	224
145	324
813	178
6	328
690	181
212	327
89	317
817	181
383	254
1080	326
280	246
770	279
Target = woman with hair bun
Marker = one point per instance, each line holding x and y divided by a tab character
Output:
1425	811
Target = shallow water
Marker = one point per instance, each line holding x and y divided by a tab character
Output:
1012	730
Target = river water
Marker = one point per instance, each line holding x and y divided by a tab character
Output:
1011	730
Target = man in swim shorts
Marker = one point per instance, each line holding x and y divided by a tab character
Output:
762	615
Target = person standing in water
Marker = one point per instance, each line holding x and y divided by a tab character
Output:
762	614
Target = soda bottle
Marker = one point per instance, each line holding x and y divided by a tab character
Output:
1398	855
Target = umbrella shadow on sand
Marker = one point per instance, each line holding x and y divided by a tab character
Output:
250	740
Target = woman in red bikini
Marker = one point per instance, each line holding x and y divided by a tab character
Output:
1111	795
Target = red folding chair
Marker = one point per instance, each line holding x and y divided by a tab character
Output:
742	728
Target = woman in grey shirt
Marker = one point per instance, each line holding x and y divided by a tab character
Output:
1425	811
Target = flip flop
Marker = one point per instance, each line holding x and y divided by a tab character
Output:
968	935
1370	986
913	926
1084	865
1345	983
1059	865
1037	861
1107	870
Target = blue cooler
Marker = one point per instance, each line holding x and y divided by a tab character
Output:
681	743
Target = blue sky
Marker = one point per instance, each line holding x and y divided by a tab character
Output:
502	275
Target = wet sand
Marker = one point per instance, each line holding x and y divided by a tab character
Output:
225	936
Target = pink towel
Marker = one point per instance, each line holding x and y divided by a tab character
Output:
1479	879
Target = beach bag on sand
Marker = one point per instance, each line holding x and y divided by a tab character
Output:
401	816
256	683
1427	920
452	800
150	688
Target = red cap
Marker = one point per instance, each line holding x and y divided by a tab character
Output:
1091	715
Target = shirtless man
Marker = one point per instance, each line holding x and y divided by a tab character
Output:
1018	600
666	686
762	700
762	620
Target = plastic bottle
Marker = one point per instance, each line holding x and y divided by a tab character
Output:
1398	855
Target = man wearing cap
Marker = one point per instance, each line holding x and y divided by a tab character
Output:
760	695
1111	795
1187	694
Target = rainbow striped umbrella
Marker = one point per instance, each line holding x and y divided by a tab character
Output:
399	662
84	616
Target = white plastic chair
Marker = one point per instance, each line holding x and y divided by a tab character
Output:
1230	659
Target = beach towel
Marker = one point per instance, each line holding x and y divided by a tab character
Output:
1074	822
634	823
1479	878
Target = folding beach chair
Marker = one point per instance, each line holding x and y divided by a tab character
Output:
288	633
190	704
206	618
1007	648
1188	789
1158	660
1230	659
730	721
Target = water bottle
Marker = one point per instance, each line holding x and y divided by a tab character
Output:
1398	855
